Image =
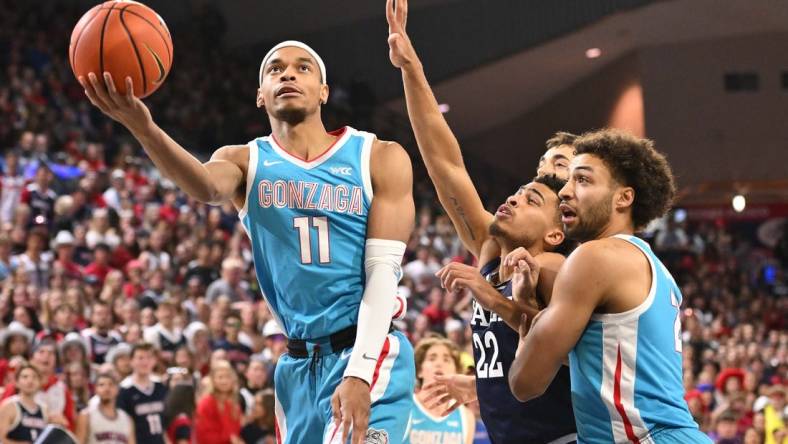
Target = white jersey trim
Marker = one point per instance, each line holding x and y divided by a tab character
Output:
619	370
426	413
380	384
17	400
18	419
366	155
251	172
322	158
566	439
128	382
281	419
634	313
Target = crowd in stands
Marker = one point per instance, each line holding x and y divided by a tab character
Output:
99	252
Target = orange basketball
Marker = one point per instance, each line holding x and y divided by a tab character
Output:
126	39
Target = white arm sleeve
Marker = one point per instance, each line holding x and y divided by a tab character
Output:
383	268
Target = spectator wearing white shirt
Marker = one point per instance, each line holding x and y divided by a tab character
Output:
423	266
230	284
113	194
11	186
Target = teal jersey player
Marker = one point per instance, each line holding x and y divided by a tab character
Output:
615	310
328	215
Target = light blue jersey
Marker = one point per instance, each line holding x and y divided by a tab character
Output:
307	222
426	428
626	370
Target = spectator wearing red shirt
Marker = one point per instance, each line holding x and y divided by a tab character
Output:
218	419
178	411
93	194
127	251
100	266
435	311
169	210
94	157
134	286
64	320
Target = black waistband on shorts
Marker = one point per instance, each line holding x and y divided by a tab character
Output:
340	340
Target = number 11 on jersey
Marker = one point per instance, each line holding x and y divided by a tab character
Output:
302	224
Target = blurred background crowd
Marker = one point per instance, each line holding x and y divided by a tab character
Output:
98	251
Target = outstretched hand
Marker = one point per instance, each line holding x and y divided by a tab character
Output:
124	108
451	391
401	51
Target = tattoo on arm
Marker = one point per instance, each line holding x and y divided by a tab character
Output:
461	212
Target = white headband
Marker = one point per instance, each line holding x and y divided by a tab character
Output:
297	44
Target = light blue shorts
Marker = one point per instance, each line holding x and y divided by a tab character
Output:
304	387
680	436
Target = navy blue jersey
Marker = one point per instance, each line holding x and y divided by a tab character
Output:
146	408
99	345
28	424
541	420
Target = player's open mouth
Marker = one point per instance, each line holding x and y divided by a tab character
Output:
567	213
503	210
288	91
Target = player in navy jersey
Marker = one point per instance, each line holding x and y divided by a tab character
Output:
526	225
142	396
615	308
328	215
22	418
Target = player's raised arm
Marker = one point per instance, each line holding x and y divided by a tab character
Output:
214	182
579	289
390	223
437	144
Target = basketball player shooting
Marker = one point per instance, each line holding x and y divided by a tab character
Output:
615	308
326	253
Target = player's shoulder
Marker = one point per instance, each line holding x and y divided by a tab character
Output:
385	151
390	161
550	260
234	153
88	411
599	258
612	254
9	404
602	249
127	383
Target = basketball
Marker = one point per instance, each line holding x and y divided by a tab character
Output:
126	39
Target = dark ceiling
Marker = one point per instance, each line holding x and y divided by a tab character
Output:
454	35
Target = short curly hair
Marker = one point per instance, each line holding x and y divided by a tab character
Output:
635	163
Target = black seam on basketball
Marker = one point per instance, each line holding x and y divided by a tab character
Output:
101	42
76	41
169	56
136	51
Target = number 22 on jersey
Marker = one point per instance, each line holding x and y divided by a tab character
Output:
484	369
